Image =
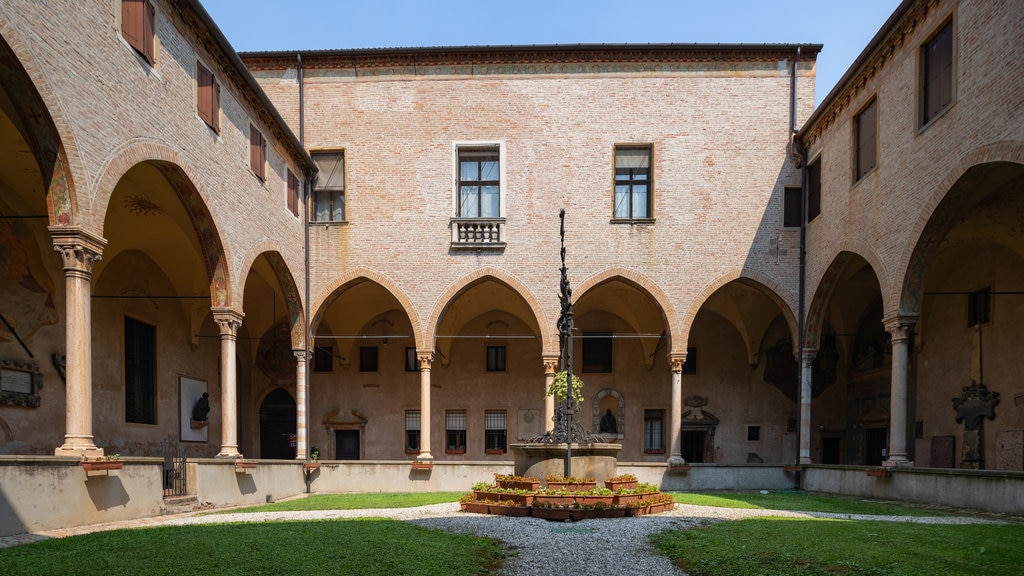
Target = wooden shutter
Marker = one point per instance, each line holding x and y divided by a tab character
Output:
293	193
137	26
867	132
207	97
938	72
257	152
792	207
813	190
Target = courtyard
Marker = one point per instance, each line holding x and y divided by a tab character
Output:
785	532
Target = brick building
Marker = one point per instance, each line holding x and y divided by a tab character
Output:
166	170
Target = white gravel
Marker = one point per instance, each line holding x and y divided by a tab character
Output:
589	547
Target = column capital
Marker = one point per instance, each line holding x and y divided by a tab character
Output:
900	325
228	320
550	365
78	248
425	358
301	354
677	361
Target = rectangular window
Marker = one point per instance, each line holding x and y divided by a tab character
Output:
978	309
597	351
412	363
495	358
866	125
139	372
412	431
937	73
753	433
479	182
293	193
455	431
654	439
329	192
137	17
323	359
813	189
690	366
633	182
792	207
368	359
207	97
257	153
495	431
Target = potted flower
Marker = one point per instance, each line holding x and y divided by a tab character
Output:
557	388
312	459
521	482
241	465
109	462
626	481
595	496
879	472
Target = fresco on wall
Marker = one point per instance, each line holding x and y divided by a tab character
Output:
25	289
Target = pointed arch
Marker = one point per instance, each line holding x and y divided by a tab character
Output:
549	341
642	283
822	294
332	291
271	251
948	200
186	183
33	101
769	287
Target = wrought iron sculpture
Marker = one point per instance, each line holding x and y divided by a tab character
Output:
566	429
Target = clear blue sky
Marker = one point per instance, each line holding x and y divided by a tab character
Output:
843	26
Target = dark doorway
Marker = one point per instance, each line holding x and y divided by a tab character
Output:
693	445
346	444
875	441
832	450
277	425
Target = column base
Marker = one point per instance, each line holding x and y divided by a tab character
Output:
79	446
898	463
676	460
229	452
424	457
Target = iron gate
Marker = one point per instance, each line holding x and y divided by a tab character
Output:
173	468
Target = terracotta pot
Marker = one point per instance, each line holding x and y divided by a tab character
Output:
624	484
623	499
475	507
553	500
509	484
517	511
591	500
102	465
552	513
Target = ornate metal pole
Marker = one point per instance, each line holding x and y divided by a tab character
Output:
565	326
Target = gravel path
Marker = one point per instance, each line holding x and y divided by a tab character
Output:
591	547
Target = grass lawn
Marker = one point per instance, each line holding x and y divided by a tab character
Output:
800	501
354	501
777	546
368	547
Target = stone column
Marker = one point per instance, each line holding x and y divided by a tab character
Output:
228	321
79	250
550	367
676	413
806	379
425	357
900	327
301	405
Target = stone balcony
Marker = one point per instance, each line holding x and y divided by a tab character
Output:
478	233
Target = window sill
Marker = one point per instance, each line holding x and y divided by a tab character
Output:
478	247
412	452
654	451
328	223
633	221
455	452
494	452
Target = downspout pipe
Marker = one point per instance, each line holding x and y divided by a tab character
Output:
305	224
800	156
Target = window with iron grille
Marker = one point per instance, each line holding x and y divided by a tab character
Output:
495	431
866	125
597	351
479	182
137	17
257	153
654	440
937	73
329	191
207	97
495	358
139	372
455	431
633	190
412	431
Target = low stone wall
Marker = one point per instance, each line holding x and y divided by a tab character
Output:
39	493
44	493
984	490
